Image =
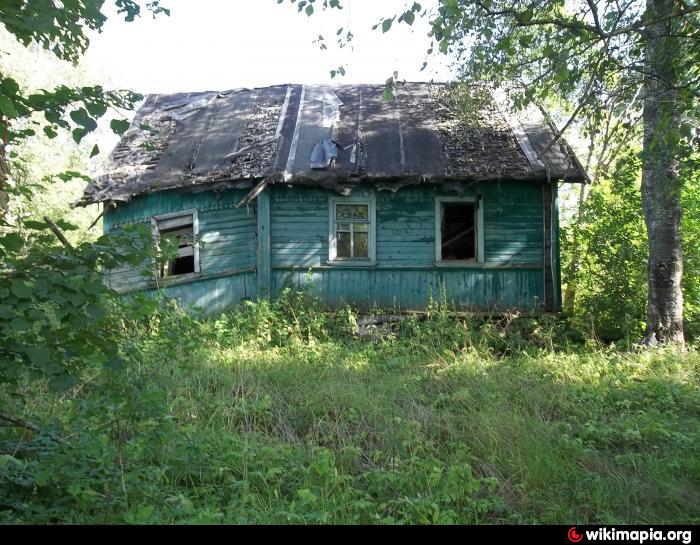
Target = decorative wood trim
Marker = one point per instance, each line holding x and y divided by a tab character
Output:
201	209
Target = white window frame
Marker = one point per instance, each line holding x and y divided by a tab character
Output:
155	228
478	236
333	258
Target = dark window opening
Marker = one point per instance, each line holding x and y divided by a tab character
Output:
178	232
181	265
458	231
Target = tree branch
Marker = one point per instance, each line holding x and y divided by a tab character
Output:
57	232
19	423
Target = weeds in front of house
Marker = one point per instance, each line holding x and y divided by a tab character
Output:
276	413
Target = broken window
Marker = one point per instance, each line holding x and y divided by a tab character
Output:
176	236
351	230
457	235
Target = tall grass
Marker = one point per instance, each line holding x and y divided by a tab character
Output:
277	413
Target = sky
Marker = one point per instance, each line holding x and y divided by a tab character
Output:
224	44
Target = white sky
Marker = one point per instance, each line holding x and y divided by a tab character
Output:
223	44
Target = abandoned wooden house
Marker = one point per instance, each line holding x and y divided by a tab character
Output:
359	199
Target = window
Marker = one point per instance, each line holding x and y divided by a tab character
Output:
351	236
458	227
178	232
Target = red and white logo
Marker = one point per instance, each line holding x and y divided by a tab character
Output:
573	535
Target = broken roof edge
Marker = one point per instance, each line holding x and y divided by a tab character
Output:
537	114
343	185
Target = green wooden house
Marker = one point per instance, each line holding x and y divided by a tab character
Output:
432	195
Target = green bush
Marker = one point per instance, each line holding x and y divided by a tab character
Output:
610	247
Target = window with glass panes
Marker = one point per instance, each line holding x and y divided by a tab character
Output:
352	228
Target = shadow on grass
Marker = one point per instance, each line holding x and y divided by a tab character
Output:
272	416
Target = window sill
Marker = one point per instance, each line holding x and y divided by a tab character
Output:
470	264
485	266
351	263
178	279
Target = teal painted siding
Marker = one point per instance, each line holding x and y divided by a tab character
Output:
299	226
228	240
513	223
406	226
411	289
228	250
215	295
404	276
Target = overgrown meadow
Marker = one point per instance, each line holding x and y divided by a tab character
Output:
279	413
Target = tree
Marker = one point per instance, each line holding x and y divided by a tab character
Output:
55	311
641	56
61	28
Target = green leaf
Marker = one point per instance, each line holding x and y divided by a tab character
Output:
386	24
7	107
40	225
309	10
95	150
20	289
20	324
12	241
73	489
78	135
6	312
82	118
9	86
119	126
38	355
96	109
409	17
66	225
49	132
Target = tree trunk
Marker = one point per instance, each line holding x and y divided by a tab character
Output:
4	169
661	184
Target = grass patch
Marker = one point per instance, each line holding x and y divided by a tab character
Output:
269	414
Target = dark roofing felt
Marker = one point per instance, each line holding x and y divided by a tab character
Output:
326	135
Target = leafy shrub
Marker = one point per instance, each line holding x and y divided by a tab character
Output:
275	413
610	247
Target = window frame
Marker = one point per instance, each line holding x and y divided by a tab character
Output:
371	258
478	225
156	232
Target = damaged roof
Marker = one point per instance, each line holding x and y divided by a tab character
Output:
332	136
